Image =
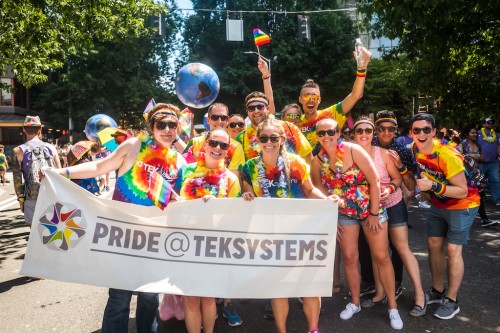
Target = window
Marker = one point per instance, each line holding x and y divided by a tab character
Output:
6	97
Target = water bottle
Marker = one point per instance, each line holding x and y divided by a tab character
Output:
361	60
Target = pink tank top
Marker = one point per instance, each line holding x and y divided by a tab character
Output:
385	179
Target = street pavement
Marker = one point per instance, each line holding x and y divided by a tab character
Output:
31	305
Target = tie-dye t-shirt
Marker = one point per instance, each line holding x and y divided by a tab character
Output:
133	185
234	160
271	181
308	127
196	180
295	143
441	164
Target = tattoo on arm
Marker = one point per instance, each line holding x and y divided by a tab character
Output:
16	173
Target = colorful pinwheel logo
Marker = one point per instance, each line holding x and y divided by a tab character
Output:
62	226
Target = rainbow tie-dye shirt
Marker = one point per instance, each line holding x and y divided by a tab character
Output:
295	142
299	173
234	160
443	163
133	185
308	127
196	180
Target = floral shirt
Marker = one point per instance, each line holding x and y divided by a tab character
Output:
234	158
440	165
295	142
308	127
351	186
196	180
273	181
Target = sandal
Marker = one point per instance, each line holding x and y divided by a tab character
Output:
370	303
419	311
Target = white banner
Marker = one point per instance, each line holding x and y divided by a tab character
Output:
225	248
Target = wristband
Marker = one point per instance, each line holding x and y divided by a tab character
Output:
393	187
267	76
21	199
373	214
361	72
175	140
438	188
403	170
67	174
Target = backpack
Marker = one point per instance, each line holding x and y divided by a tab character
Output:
474	176
36	159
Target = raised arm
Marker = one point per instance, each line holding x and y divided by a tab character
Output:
359	84
266	78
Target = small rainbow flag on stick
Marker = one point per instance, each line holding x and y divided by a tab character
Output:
159	190
260	37
149	106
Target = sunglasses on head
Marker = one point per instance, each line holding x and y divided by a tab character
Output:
234	125
161	125
417	130
265	138
308	97
330	132
259	107
390	129
368	130
215	117
215	143
293	116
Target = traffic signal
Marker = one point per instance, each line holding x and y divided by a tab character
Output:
158	23
304	28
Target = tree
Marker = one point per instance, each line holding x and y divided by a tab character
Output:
327	59
38	36
451	49
117	78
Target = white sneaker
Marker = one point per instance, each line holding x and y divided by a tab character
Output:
350	310
396	322
423	204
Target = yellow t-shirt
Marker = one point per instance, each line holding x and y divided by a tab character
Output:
308	127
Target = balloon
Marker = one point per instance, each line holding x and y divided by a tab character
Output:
97	123
197	85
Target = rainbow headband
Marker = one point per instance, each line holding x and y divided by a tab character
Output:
363	121
257	99
383	120
162	112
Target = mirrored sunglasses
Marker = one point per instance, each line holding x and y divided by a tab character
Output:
308	97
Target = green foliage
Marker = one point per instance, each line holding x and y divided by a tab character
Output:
327	59
451	48
118	79
38	36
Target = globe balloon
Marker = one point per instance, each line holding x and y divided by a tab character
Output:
96	123
197	85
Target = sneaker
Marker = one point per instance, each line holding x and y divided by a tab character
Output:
447	310
106	188
399	291
423	204
350	310
488	223
229	312
367	291
395	318
434	296
268	311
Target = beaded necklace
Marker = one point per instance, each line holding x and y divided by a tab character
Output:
265	183
487	138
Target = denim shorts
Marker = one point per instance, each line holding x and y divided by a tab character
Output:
345	220
398	215
451	224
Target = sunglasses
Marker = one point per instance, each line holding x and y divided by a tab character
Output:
360	131
215	117
265	138
426	130
489	122
252	108
161	125
330	132
308	97
346	132
293	116
390	129
215	143
234	125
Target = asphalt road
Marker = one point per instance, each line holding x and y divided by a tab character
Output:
30	305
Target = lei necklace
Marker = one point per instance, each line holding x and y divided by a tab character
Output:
338	164
213	182
487	138
265	183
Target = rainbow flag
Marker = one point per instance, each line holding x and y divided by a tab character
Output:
159	190
185	120
149	106
260	37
